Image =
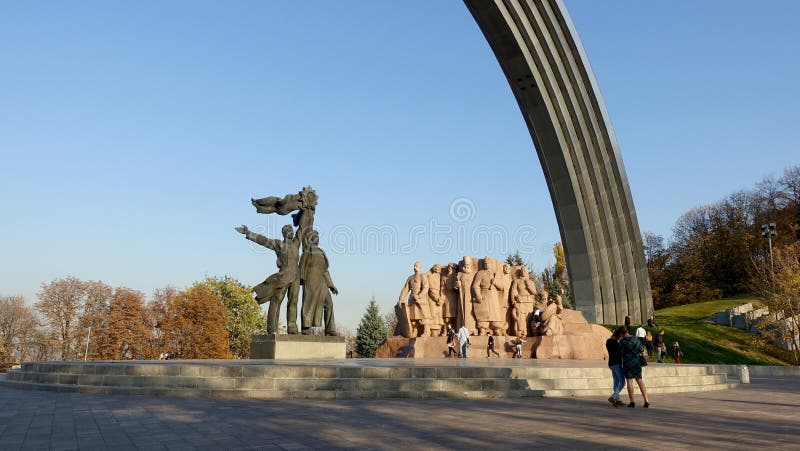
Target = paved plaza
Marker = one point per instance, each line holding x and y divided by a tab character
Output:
763	414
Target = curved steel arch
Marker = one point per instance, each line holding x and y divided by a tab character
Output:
543	59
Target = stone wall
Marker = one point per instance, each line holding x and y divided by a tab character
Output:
744	317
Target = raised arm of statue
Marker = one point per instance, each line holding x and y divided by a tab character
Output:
264	241
260	239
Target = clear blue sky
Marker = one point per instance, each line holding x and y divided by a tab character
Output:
133	134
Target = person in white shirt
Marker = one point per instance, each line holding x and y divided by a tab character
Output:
641	334
463	341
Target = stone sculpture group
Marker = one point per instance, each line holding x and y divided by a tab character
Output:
498	299
309	270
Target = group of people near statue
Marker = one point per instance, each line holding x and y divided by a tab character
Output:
654	343
628	353
482	297
626	356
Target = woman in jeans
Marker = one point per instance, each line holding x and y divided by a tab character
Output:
632	349
615	365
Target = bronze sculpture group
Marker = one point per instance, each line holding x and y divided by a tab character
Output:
497	300
309	270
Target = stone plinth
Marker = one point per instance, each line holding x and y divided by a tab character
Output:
296	347
353	378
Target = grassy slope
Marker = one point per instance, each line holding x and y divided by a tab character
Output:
703	342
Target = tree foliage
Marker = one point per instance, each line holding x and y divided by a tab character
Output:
710	252
122	333
195	324
60	305
371	331
245	316
555	278
778	282
17	326
390	320
211	319
516	259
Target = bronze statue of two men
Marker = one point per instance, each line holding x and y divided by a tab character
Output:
309	270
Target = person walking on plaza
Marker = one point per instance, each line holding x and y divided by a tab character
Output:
615	365
676	352
628	321
463	341
451	341
658	344
632	366
490	347
648	343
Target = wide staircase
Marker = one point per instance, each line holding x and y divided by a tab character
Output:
351	378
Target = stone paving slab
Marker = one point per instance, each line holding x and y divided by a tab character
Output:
763	414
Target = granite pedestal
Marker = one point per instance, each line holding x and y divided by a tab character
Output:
297	347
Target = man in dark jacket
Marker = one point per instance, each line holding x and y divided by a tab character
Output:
658	343
615	365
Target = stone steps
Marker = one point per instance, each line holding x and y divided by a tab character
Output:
362	380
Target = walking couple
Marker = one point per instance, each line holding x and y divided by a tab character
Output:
625	360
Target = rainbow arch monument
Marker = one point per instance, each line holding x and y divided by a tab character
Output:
543	59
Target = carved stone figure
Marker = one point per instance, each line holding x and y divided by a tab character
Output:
464	287
504	281
485	303
450	305
286	280
551	319
317	287
416	289
523	294
542	299
435	300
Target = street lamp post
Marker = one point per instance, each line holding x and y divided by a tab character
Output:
768	231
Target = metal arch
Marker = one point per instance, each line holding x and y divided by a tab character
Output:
543	59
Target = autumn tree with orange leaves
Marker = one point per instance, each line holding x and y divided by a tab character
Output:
123	333
194	326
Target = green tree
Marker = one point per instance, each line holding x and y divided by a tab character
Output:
245	317
516	260
560	266
371	331
390	319
554	278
